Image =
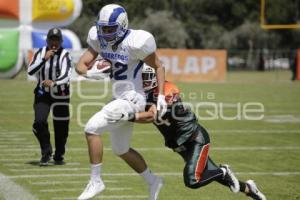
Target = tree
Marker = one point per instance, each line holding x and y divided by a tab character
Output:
168	32
202	23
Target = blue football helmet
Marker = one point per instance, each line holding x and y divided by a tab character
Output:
112	23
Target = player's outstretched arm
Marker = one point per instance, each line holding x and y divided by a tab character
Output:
140	117
146	117
85	60
153	61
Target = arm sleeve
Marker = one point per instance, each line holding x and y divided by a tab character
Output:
66	69
37	62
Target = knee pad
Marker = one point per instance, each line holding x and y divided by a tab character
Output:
190	183
190	179
92	125
119	150
97	124
90	128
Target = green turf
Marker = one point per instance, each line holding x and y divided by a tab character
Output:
265	150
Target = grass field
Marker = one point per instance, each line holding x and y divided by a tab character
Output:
266	150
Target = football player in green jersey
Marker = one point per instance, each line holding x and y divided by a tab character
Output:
182	133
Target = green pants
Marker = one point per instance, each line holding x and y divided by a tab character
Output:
199	169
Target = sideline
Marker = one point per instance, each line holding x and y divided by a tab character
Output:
11	191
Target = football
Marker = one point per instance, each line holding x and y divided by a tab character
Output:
100	64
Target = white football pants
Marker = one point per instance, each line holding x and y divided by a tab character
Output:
120	131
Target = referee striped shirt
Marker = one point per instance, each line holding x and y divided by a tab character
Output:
57	68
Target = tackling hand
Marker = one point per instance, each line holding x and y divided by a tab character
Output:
113	117
162	105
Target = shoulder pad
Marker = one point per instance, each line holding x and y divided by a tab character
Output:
142	43
93	33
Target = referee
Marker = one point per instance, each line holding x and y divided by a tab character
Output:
52	67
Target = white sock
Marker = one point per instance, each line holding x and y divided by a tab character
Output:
95	172
224	171
148	176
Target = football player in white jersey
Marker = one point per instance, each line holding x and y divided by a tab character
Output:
127	50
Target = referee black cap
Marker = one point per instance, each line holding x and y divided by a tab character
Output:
54	33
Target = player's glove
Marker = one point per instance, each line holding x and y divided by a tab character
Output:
112	117
98	74
162	105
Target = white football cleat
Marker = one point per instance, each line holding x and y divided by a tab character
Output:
232	181
254	192
155	187
92	189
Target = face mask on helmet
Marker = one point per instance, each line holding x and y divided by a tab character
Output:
108	32
149	78
112	23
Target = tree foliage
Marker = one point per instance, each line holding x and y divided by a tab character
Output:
168	32
203	23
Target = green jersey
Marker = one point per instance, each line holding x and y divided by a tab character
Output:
178	124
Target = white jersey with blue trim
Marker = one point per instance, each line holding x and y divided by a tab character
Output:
127	58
